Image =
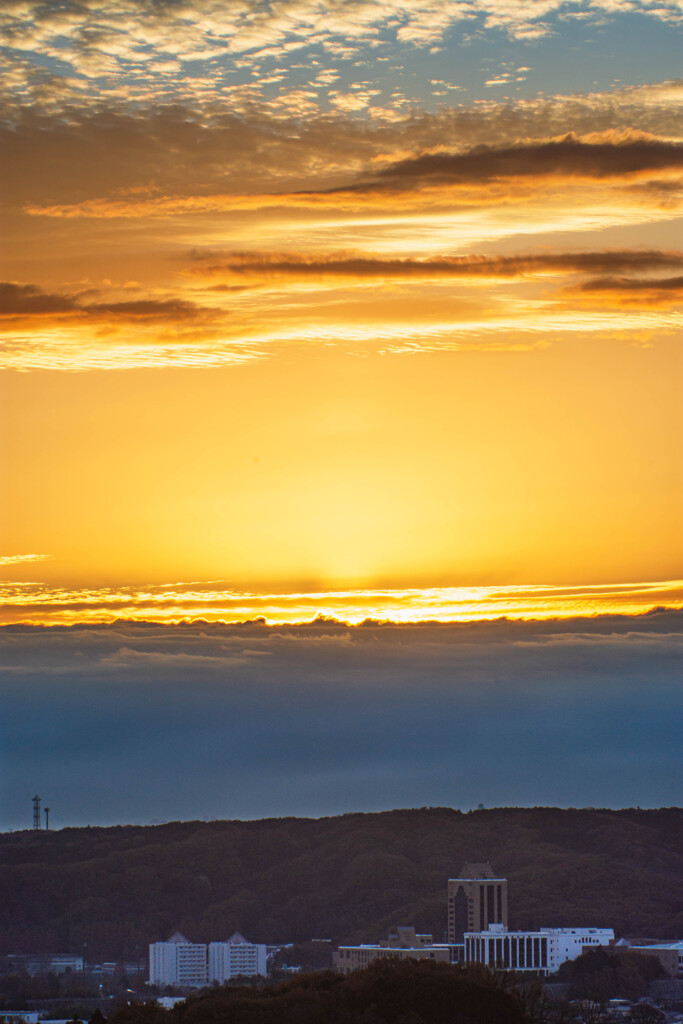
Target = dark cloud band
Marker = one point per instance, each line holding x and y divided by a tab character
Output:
299	265
22	300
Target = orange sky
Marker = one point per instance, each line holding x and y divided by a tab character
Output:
341	345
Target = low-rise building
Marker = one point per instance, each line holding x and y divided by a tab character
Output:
45	963
539	952
669	954
402	944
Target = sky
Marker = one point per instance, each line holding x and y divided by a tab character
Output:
361	312
136	723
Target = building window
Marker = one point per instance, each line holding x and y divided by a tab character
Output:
491	904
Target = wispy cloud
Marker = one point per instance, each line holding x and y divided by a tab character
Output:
175	602
19	559
318	299
521	327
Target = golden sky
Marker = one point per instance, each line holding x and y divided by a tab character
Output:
365	309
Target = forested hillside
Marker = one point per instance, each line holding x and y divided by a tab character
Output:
346	878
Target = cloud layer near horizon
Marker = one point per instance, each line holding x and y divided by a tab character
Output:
136	723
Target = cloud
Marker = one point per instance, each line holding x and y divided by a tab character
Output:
358	266
496	173
42	330
272	270
235	143
568	157
373	717
98	50
208	645
28	300
617	639
175	602
18	559
186	660
660	291
469	327
149	309
433	194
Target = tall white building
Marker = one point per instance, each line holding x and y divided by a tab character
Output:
236	957
541	952
178	962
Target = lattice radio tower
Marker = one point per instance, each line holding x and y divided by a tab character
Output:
36	812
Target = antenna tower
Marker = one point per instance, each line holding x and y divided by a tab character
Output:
36	812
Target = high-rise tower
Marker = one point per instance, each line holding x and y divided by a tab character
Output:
476	899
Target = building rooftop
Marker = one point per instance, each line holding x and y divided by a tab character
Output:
479	870
660	945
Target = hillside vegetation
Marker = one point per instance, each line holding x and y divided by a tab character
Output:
346	878
404	993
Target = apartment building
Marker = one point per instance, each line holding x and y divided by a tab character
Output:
178	962
192	964
236	957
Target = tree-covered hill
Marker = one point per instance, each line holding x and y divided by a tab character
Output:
347	878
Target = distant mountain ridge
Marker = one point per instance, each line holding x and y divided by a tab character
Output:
349	878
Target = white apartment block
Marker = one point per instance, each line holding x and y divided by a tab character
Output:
541	952
178	962
190	965
236	957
